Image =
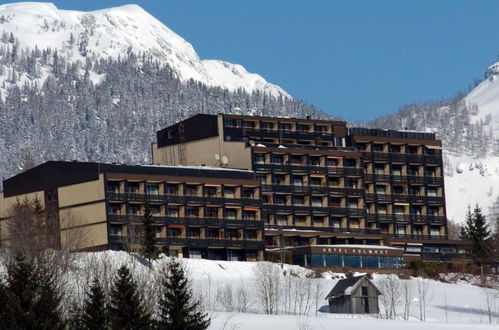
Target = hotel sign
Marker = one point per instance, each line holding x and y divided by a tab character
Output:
356	251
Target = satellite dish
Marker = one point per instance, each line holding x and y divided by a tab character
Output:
225	160
252	143
217	156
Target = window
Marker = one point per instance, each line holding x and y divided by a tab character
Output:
395	149
114	209
248	124
211	212
260	178
334	181
434	231
318	221
212	233
298	200
190	190
266	126
133	210
296	159
210	191
432	210
193	232
351	183
248	192
251	235
155	210
192	211
413	170
380	189
314	161
174	232
397	209
279	199
281	220
335	223
320	129
172	189
335	201
379	169
415	210
113	186
332	162
364	291
378	147
352	204
400	229
298	180
259	158
429	171
316	201
428	151
398	190
285	127
381	209
396	170
432	192
300	220
152	188
314	181
413	248
172	211
302	128
232	234
350	162
229	192
249	215
230	214
114	230
413	190
277	159
132	187
278	179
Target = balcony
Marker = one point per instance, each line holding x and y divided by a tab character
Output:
401	158
326	229
178	199
188	221
413	218
412	179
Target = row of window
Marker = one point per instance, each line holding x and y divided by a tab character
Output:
271	126
195	232
280	159
335	260
188	189
397	149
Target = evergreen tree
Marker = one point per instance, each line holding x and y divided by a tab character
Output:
94	315
4	315
32	301
476	230
149	237
126	308
178	310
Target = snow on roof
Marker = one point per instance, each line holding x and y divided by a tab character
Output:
196	167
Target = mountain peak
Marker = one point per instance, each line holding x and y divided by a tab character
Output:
112	32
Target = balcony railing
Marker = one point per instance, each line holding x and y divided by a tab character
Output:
198	242
414	218
282	188
286	168
178	199
328	229
413	179
404	198
189	221
403	158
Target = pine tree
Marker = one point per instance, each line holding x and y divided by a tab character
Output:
126	308
94	315
476	230
148	240
178	310
32	301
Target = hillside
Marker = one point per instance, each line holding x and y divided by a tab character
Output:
468	125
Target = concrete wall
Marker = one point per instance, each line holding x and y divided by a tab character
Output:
82	214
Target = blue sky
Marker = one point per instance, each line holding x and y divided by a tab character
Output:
355	59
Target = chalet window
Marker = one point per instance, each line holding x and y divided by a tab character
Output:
364	291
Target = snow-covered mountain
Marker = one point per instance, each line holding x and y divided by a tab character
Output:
114	32
472	180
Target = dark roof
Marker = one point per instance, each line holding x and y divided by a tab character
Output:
342	285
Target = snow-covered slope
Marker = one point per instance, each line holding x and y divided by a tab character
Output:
112	32
473	180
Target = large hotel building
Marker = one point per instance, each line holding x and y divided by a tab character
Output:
232	186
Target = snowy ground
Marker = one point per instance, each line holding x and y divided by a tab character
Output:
449	306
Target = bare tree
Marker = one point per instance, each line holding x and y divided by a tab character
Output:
26	160
424	292
268	283
391	288
453	229
408	296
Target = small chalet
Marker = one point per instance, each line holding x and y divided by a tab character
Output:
355	295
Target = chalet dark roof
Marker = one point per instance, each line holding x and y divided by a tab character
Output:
342	285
